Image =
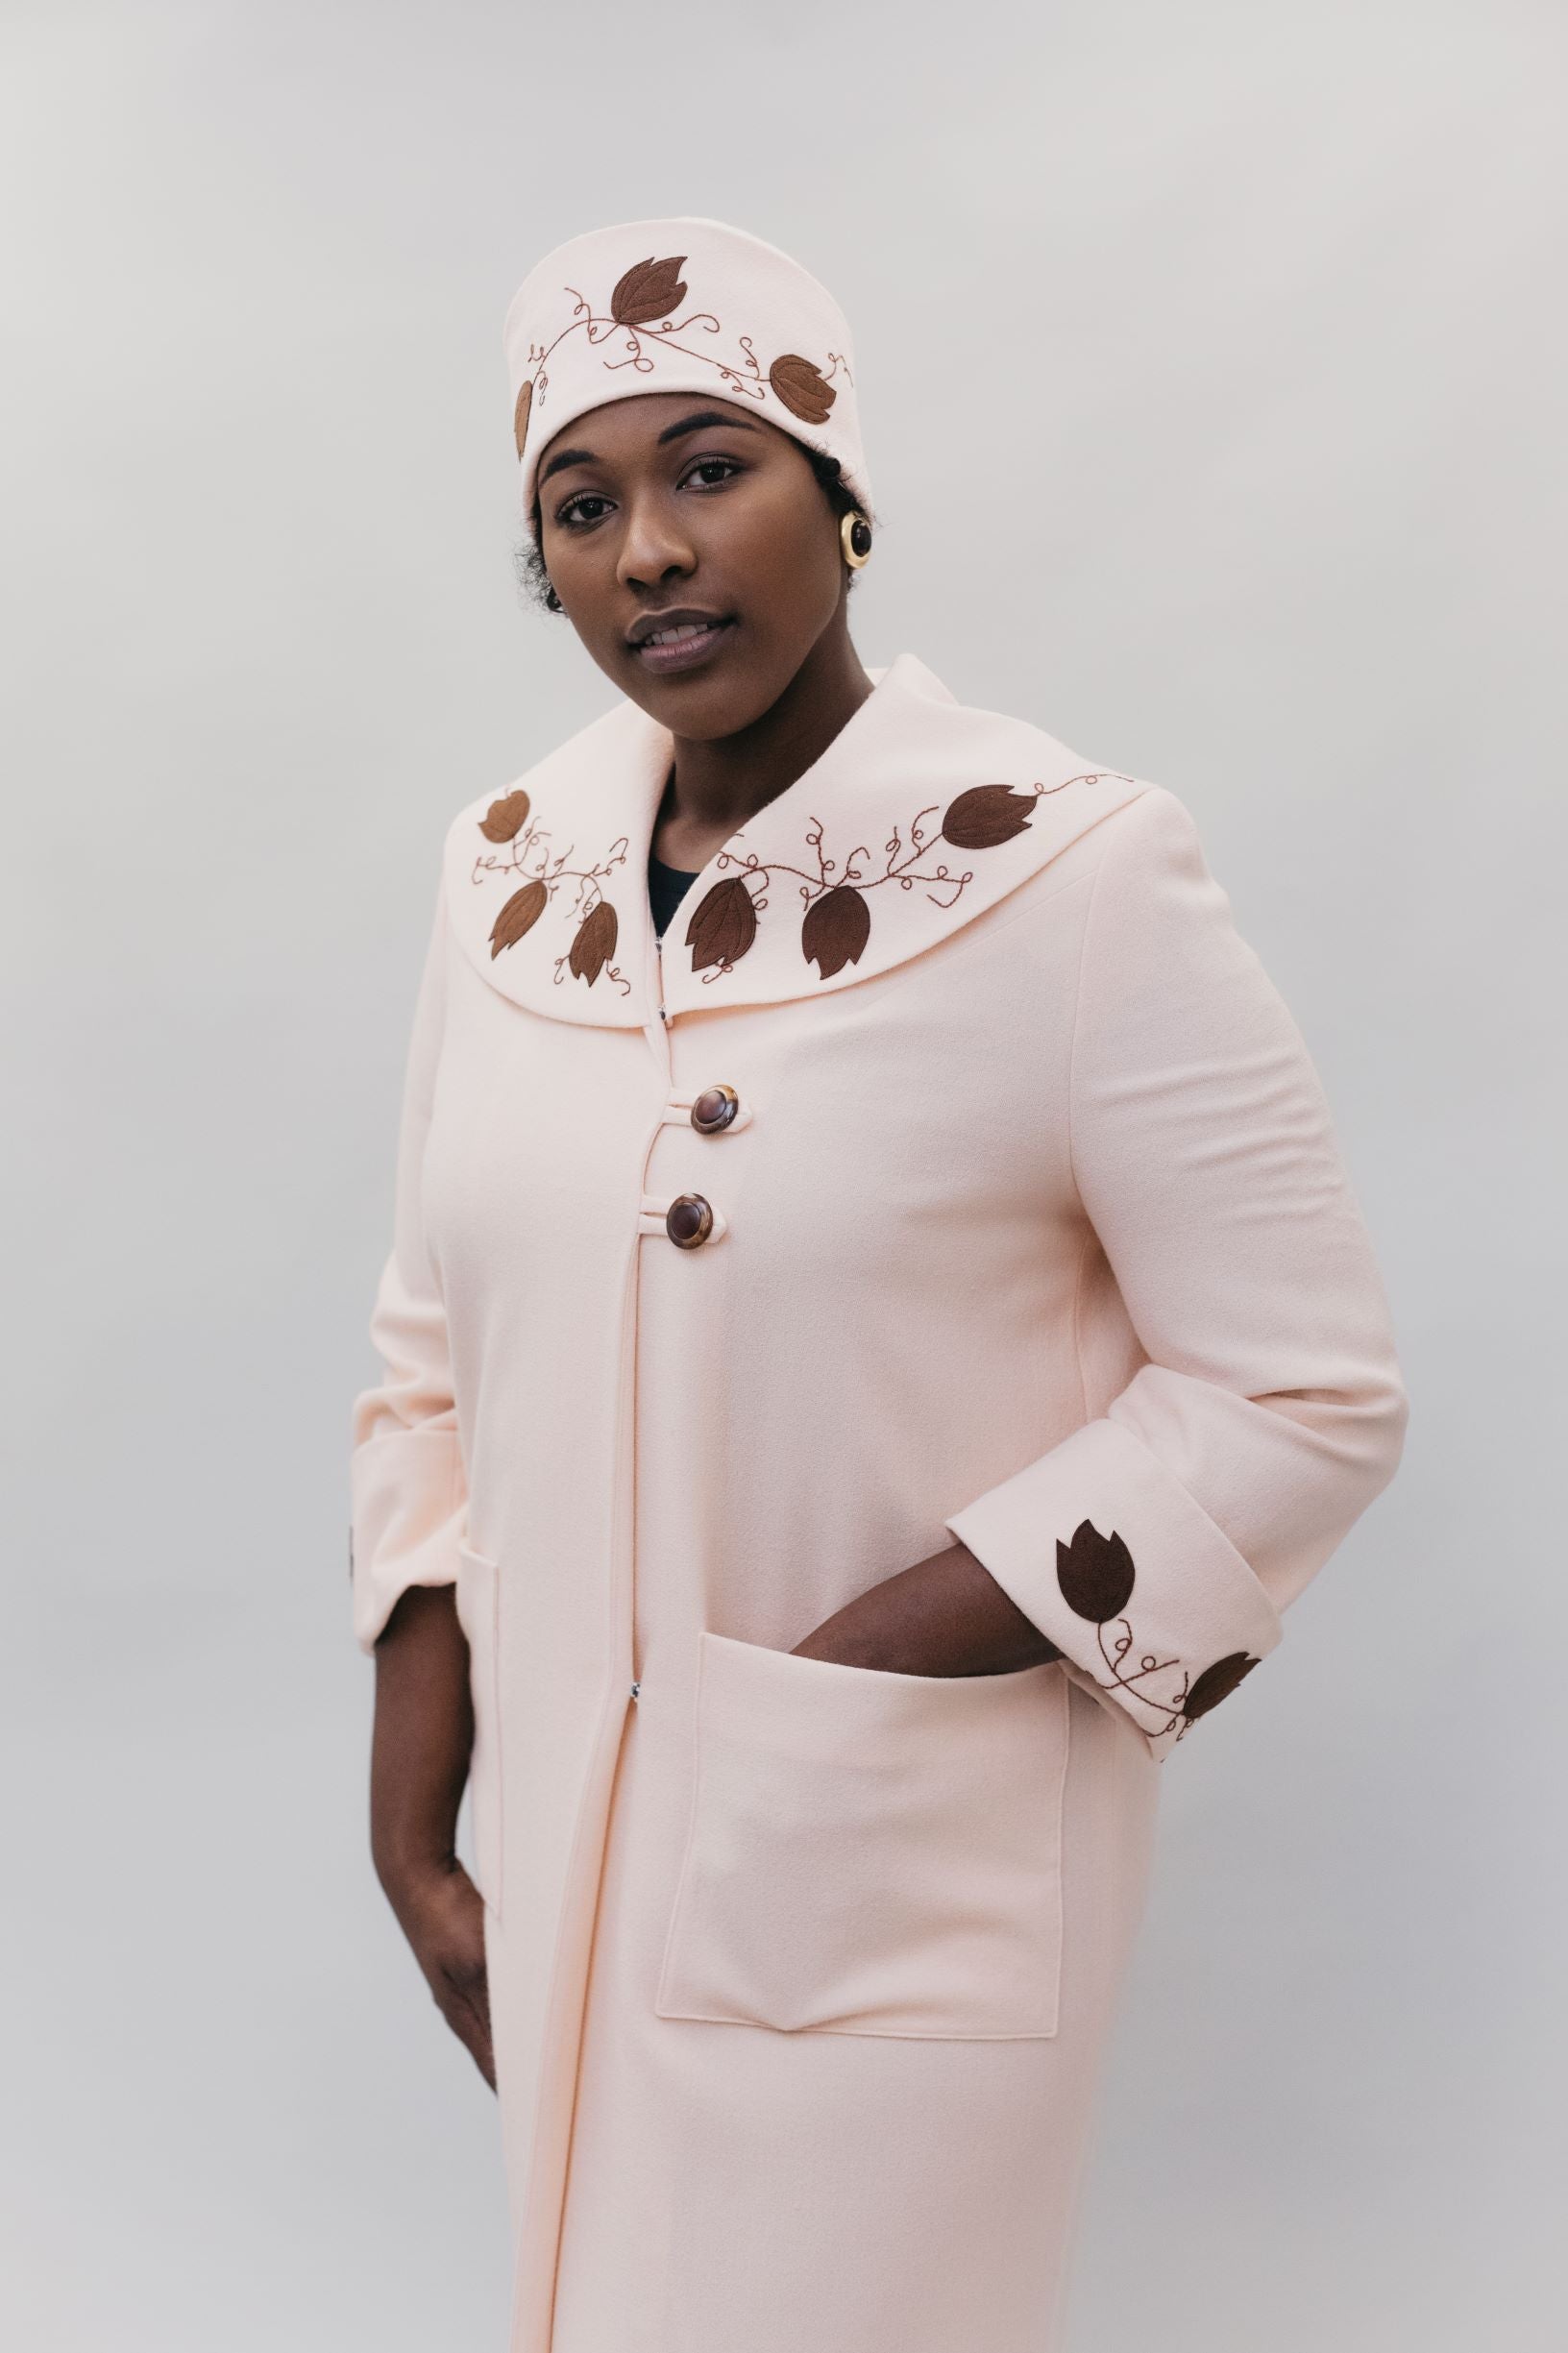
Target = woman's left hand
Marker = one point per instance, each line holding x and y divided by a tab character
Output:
947	1615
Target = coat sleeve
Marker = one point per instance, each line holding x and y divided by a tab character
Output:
408	1486
1158	1545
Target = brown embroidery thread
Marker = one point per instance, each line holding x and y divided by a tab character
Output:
837	920
592	949
1097	1576
640	306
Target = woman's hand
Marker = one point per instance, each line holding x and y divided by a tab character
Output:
419	1751
442	1915
947	1615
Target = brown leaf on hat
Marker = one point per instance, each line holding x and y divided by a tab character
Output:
503	821
724	925
1095	1573
1216	1683
520	914
648	290
520	415
595	942
835	930
986	815
802	387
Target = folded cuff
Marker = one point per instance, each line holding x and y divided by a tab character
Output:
409	1493
1118	1565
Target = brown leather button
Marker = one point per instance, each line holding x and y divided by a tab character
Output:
688	1220
713	1109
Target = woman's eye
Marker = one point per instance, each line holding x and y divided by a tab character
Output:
721	467
587	506
569	514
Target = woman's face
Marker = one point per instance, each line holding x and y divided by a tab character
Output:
673	508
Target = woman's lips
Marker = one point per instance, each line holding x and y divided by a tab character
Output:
682	653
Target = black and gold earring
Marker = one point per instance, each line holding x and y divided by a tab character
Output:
855	538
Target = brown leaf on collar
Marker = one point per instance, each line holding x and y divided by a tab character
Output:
520	914
802	387
724	925
648	290
595	942
986	815
836	929
503	821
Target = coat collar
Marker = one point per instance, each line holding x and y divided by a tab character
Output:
921	813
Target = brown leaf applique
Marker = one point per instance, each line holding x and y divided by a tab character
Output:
649	290
519	915
837	923
504	821
595	942
521	843
1216	1683
1094	1572
836	929
802	387
723	925
986	815
642	304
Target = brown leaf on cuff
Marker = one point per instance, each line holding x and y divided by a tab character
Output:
1095	1573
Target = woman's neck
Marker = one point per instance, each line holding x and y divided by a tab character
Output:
715	787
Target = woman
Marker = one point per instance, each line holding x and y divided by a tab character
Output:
862	1376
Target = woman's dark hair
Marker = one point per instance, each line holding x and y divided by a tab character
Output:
534	580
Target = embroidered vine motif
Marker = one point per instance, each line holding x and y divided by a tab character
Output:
1095	1574
837	920
640	307
507	823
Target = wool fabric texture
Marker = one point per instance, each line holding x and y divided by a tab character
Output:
683	305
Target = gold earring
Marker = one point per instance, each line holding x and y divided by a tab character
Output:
855	538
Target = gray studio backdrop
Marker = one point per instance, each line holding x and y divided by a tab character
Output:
1210	367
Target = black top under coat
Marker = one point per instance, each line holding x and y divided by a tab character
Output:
667	887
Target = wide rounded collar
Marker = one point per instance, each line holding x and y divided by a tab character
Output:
921	813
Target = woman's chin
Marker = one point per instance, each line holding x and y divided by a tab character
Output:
703	705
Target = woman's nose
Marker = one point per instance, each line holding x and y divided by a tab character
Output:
652	551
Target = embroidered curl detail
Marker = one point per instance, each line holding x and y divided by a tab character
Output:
1095	1576
836	912
507	822
640	314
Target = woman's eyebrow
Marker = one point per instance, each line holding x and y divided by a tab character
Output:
567	458
697	422
703	417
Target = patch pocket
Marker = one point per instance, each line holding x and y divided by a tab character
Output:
870	1852
479	1613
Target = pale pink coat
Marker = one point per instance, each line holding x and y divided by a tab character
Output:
1030	1228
